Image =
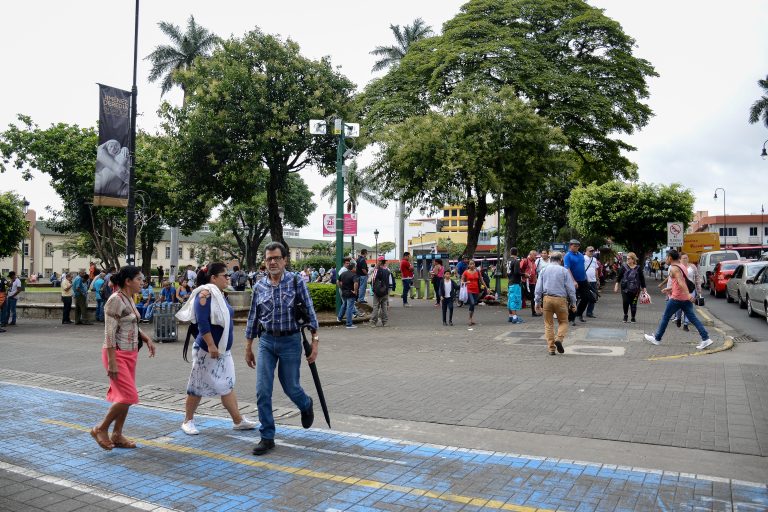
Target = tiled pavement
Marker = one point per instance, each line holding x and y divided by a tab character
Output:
52	464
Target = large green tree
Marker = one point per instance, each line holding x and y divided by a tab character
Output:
635	215
14	225
185	47
248	109
759	109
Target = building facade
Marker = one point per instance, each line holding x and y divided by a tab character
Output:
745	233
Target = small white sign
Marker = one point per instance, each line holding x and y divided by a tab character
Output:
351	130
318	127
675	233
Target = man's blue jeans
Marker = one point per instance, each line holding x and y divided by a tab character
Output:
285	353
673	306
363	280
99	310
348	309
591	305
9	312
407	282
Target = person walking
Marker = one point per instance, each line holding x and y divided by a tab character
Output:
66	297
447	292
514	287
591	265
694	275
632	281
11	298
97	286
406	275
543	261
273	319
347	284
362	275
679	299
528	270
238	279
471	277
119	354
574	262
436	273
80	293
3	295
656	268
160	274
213	370
381	284
555	294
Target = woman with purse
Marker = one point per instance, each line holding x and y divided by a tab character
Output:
632	282
122	341
437	272
213	370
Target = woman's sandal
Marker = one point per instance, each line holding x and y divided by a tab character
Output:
120	441
104	441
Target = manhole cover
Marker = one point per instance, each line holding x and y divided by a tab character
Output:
601	333
744	339
593	350
584	350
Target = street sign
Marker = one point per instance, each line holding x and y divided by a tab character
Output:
350	224
675	234
351	130
318	127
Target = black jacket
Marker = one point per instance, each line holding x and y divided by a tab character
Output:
441	289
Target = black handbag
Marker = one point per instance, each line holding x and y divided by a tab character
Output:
300	311
699	301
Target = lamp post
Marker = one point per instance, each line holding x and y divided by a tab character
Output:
376	237
554	236
764	154
725	223
24	208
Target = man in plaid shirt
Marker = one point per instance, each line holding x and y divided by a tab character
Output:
272	320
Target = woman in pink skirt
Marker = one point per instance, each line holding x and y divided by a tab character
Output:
119	353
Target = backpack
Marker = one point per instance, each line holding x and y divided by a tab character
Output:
106	288
630	282
242	279
380	284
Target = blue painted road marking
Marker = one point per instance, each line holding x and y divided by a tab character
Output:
47	431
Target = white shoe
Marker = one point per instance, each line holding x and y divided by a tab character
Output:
245	424
651	339
189	428
704	344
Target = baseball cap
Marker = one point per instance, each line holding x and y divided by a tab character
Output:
382	258
574	242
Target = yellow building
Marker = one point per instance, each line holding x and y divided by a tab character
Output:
454	219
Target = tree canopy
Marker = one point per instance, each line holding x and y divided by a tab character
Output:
14	224
633	215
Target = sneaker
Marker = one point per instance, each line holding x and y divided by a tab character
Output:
626	318
450	323
677	322
559	346
686	328
552	352
651	339
704	344
406	305
518	321
189	428
339	319
308	416
372	324
264	446
353	326
633	321
512	320
445	324
245	424
581	319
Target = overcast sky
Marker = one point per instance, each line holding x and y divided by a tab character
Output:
709	57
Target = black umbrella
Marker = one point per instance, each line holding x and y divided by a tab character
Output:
315	376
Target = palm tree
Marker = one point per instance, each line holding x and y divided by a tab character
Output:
760	107
181	53
358	187
404	38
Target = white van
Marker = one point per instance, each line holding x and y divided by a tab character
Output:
708	261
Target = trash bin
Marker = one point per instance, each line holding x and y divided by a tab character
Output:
165	322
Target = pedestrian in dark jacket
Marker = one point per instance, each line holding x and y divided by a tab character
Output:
446	293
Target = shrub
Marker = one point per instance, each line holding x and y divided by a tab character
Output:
323	296
327	262
394	268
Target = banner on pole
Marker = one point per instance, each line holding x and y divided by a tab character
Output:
350	224
113	155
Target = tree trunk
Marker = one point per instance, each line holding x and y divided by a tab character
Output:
147	248
275	225
510	235
476	213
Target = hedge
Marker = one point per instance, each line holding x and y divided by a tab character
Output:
316	262
323	296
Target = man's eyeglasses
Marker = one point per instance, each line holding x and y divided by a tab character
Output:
274	259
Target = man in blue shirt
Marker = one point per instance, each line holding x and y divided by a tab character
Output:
574	262
80	292
272	319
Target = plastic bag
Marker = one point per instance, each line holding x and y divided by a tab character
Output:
644	298
463	294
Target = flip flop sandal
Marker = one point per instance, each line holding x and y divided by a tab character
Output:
122	442
105	445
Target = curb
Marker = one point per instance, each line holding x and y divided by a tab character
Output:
707	318
727	345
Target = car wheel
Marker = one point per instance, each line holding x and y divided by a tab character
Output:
728	297
750	311
741	302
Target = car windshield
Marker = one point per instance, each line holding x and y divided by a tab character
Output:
752	270
717	258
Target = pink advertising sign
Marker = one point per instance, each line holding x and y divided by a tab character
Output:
350	224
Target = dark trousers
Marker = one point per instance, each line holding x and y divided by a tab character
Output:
81	307
436	285
629	302
67	308
582	299
447	304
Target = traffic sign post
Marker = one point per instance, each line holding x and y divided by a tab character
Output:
675	233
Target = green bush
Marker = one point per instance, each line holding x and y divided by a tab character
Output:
394	268
327	262
323	296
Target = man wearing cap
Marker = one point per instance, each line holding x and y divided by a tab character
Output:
381	283
574	262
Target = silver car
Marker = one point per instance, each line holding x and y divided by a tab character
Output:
735	289
756	294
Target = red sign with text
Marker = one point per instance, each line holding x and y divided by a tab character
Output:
350	224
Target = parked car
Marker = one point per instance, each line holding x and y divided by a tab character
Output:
735	289
719	278
756	294
764	257
709	260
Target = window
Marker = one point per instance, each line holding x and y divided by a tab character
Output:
463	223
463	212
48	272
753	231
446	213
455	213
766	231
731	232
453	223
65	253
25	249
167	252
191	253
49	249
154	253
181	254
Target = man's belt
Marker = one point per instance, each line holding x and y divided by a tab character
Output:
555	296
281	333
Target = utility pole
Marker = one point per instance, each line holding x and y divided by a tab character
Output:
130	246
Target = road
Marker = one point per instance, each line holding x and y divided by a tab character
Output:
757	328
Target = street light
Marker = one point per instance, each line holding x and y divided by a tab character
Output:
764	154
725	222
554	236
376	237
24	208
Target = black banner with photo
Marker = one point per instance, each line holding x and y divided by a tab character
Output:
113	155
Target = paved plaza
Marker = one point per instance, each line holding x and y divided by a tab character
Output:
424	417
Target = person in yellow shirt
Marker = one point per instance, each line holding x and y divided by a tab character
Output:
66	297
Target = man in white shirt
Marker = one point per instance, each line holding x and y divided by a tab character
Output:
542	261
9	308
191	276
590	266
